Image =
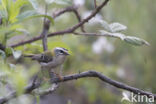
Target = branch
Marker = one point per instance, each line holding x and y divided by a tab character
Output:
47	91
66	31
2	47
79	19
12	95
46	26
1	20
105	79
95	34
95	4
70	9
93	74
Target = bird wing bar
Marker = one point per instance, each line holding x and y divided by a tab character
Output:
45	58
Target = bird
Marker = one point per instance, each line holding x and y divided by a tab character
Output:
50	60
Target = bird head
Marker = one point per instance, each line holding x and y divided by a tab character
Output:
59	51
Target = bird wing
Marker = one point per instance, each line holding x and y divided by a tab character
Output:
43	57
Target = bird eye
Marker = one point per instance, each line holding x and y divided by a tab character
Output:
61	51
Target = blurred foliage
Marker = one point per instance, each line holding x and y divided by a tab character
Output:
116	59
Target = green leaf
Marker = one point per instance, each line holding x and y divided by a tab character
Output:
3	13
4	10
19	79
34	3
32	14
105	25
31	48
4	3
26	14
129	39
3	38
113	27
117	27
14	9
13	12
63	2
38	99
135	41
8	51
2	53
49	1
16	54
20	30
41	15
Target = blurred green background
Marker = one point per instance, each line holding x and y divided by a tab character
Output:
133	65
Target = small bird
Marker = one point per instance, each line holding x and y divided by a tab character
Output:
50	60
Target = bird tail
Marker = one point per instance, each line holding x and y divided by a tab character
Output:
33	56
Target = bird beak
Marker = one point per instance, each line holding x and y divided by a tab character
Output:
66	53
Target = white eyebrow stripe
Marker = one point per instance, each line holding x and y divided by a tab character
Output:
60	48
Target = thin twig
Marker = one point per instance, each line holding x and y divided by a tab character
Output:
66	31
95	4
79	19
97	34
46	26
70	9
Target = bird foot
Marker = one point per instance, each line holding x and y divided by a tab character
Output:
59	76
56	75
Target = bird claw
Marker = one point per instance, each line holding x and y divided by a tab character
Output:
59	76
56	75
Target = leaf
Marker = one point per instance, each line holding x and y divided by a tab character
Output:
4	4
16	54
26	14
2	53
32	14
19	79
63	2
129	39
116	35
14	9
49	1
35	48
14	27
8	51
34	3
20	30
3	37
135	41
41	15
37	99
105	25
113	27
3	13
117	27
